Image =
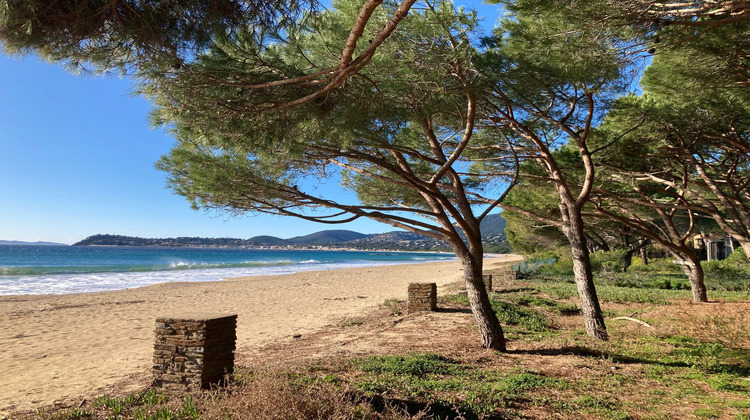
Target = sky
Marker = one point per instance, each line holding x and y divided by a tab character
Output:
77	158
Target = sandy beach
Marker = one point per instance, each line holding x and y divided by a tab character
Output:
61	348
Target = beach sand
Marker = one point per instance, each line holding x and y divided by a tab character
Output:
58	349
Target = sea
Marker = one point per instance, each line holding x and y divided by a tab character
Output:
34	270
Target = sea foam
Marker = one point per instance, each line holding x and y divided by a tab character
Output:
97	282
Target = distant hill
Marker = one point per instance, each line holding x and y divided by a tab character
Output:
267	240
327	237
38	243
406	241
121	240
493	226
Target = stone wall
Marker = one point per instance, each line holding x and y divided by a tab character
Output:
422	297
509	274
193	351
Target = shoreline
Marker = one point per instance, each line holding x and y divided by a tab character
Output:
60	348
95	278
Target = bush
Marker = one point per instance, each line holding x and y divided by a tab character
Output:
562	267
656	265
737	257
609	261
732	273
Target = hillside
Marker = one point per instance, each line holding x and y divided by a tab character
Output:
266	240
327	237
38	243
493	225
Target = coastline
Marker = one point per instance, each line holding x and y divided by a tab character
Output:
85	271
59	348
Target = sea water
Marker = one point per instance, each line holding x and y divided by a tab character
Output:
32	269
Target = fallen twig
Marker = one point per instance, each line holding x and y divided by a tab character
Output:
637	321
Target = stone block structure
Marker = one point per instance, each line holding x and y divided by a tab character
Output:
422	297
509	274
487	280
193	351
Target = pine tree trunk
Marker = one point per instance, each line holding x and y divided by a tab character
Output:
489	325
593	318
746	247
694	272
627	260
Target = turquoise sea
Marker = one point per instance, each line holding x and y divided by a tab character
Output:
72	269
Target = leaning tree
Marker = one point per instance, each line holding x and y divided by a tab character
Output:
264	96
399	133
552	79
694	119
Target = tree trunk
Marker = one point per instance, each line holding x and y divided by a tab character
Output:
593	318
746	247
694	272
627	259
644	256
489	325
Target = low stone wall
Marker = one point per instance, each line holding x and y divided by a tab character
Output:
193	351
422	297
509	274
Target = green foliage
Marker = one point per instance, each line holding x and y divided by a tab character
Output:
738	257
516	313
707	413
122	35
606	262
114	404
383	134
732	273
449	387
659	273
562	267
524	299
78	413
681	141
414	364
722	275
526	319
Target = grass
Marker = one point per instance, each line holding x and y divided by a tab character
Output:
448	388
730	275
694	363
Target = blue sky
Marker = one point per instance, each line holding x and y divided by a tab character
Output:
77	158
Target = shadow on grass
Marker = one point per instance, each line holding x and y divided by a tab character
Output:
453	310
518	290
598	354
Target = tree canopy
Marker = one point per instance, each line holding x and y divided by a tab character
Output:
399	134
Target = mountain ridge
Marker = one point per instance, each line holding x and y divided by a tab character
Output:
347	239
37	243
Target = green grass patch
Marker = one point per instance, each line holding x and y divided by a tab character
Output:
526	319
707	413
451	388
413	365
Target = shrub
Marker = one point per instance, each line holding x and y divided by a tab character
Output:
737	257
732	273
562	267
609	261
